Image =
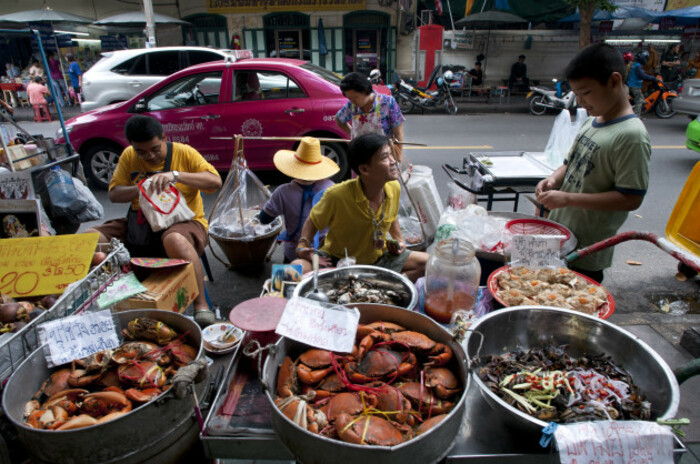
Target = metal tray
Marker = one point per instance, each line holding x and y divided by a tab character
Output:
15	348
510	167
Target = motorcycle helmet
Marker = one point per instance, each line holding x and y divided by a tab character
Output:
375	75
642	56
448	76
628	57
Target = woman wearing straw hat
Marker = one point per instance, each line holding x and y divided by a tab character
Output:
309	171
359	213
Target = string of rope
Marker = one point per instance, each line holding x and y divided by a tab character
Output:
254	350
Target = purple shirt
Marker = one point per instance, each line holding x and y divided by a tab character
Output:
286	201
55	69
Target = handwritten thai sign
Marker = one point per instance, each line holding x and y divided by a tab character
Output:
126	286
323	325
76	337
44	265
614	442
536	251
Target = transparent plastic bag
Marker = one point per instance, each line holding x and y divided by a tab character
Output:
562	136
93	210
459	198
235	214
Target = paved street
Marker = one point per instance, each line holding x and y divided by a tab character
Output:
639	291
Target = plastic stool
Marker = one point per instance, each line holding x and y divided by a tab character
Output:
501	92
41	112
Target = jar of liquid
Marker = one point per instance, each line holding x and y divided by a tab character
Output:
451	279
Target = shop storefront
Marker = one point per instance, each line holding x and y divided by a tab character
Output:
206	30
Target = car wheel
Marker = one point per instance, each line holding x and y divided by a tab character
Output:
338	153
537	107
100	162
664	109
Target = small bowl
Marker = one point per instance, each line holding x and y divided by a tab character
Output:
211	335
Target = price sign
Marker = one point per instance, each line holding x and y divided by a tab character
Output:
323	325
76	337
614	442
44	265
536	251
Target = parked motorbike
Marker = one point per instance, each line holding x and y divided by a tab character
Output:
660	99
543	99
409	96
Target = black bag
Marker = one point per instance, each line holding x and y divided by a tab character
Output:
138	231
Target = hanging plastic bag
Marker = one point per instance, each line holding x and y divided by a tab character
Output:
164	209
412	227
459	198
235	214
426	199
93	210
562	136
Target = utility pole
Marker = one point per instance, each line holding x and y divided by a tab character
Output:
150	24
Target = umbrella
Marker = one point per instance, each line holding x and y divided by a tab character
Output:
137	17
486	19
622	12
45	14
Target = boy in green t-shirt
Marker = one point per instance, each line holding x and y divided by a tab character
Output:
606	173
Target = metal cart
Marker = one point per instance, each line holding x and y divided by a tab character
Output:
499	176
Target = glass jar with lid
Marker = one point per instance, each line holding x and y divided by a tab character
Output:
451	279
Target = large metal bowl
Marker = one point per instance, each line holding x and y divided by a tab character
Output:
384	279
523	327
150	433
430	447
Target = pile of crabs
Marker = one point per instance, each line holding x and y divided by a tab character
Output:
108	384
395	384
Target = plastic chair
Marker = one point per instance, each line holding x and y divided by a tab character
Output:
41	112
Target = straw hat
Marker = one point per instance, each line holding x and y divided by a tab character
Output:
306	163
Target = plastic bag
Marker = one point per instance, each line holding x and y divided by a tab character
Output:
93	210
474	225
410	225
164	209
235	214
426	199
562	136
458	198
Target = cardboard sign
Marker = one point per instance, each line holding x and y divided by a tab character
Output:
322	325
535	251
16	186
614	442
126	286
44	265
76	337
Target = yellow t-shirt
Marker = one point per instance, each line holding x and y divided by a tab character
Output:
344	209
131	169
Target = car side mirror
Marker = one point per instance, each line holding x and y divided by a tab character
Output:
141	106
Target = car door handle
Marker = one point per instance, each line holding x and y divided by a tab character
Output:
209	117
135	83
294	110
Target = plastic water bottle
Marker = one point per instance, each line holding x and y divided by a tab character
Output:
64	201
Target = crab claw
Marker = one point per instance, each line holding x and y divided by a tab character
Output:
440	355
77	422
312	376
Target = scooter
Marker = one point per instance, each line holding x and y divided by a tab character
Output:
408	96
543	99
660	100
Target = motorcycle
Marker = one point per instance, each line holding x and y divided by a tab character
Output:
660	100
543	99
408	96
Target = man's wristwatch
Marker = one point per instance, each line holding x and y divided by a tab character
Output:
176	175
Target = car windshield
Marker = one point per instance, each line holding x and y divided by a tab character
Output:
324	74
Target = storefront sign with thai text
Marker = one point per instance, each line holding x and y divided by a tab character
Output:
256	6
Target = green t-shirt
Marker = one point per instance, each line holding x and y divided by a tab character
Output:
605	156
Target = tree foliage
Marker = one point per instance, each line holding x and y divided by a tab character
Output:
586	9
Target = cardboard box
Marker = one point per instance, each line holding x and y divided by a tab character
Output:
172	289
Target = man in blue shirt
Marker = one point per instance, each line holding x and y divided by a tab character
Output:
635	79
75	74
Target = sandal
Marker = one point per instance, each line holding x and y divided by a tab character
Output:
204	318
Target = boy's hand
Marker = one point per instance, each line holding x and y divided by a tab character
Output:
544	185
553	199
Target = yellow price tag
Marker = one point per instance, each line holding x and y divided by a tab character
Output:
44	265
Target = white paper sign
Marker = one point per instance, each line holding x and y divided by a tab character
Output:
614	442
76	337
322	325
536	251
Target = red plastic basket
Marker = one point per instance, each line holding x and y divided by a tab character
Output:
537	227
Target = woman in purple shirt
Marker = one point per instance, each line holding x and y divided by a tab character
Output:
57	76
309	171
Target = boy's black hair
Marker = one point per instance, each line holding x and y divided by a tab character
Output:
362	149
38	79
141	128
357	82
597	61
478	63
521	56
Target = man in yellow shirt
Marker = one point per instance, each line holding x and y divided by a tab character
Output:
151	156
360	212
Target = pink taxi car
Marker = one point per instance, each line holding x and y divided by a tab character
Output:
206	104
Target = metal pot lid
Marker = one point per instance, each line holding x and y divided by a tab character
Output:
258	314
